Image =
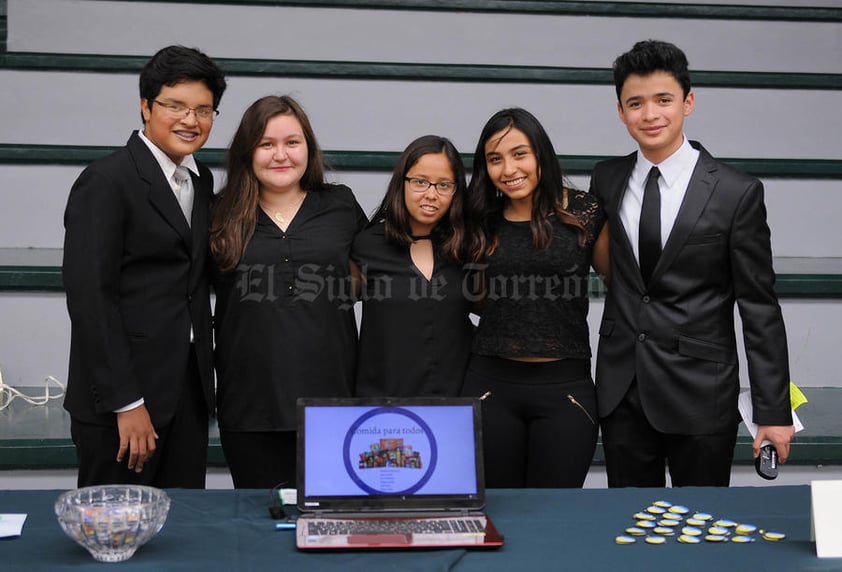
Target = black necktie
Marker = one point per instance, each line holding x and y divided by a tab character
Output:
649	240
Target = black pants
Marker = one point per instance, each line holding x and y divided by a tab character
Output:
636	453
260	459
539	421
181	451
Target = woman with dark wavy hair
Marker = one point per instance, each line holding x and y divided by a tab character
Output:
536	239
415	332
281	238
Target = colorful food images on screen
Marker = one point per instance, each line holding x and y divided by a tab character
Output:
390	453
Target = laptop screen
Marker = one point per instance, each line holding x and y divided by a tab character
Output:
389	454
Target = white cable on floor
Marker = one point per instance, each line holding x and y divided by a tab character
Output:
9	393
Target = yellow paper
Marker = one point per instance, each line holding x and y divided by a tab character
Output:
796	397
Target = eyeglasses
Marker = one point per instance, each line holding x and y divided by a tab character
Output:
179	110
417	185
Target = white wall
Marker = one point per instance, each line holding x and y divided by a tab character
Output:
40	107
274	32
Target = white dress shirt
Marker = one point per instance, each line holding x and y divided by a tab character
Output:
676	171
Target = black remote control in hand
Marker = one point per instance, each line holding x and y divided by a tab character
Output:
766	462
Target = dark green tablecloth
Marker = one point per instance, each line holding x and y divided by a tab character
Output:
544	530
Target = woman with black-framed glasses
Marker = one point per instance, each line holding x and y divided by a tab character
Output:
415	331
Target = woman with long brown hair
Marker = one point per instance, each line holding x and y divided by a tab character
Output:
285	328
535	238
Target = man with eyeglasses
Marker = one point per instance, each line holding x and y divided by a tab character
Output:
140	385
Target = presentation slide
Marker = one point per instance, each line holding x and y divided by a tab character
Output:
359	451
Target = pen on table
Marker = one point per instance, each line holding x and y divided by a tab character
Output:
284	525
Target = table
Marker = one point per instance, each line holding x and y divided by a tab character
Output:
545	530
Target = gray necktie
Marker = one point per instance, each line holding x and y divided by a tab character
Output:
649	239
184	194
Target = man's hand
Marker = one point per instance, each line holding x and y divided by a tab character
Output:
137	436
779	435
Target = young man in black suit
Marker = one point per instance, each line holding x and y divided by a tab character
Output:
688	241
140	385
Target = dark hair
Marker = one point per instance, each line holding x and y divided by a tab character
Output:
175	64
485	203
235	209
449	232
650	56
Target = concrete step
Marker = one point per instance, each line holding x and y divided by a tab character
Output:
38	437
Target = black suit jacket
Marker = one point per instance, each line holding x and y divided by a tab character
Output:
136	278
677	334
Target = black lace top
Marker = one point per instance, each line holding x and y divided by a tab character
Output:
536	301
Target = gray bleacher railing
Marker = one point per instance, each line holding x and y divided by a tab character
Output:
39	270
565	8
105	63
384	161
38	437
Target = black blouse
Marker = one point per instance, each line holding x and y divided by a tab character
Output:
415	335
536	301
285	324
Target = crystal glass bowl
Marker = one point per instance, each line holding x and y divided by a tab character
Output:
112	521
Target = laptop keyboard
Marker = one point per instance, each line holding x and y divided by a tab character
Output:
444	525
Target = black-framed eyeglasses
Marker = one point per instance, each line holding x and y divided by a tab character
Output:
418	185
204	112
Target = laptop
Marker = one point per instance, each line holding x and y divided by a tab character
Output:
391	473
